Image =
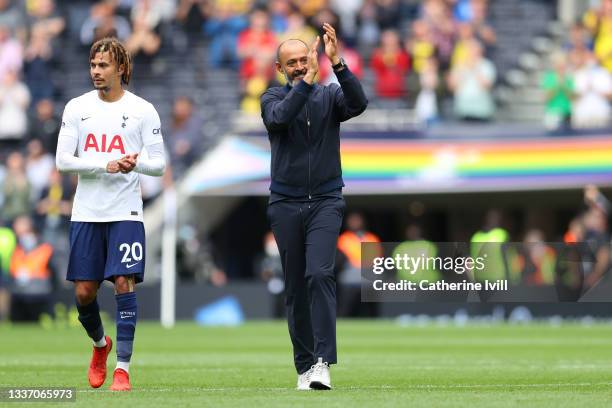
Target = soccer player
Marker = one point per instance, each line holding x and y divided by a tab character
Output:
102	135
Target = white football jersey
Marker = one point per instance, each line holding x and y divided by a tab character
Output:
108	131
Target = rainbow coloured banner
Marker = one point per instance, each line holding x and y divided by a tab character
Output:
476	165
379	166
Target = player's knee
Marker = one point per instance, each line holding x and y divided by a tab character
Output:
124	284
85	294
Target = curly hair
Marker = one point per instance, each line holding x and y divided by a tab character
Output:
118	53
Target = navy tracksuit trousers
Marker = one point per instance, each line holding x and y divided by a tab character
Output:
307	235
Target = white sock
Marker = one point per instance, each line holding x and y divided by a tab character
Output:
124	366
101	342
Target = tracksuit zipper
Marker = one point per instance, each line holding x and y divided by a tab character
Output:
308	144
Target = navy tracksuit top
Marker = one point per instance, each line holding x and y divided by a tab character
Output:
303	124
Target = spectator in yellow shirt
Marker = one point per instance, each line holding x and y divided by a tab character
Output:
603	46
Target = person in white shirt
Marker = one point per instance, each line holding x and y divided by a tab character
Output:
593	87
101	137
471	83
39	165
14	101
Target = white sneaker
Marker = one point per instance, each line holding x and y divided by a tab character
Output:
319	379
303	382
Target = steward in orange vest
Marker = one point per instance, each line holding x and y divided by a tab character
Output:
30	274
30	271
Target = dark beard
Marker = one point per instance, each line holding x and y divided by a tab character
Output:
297	74
291	80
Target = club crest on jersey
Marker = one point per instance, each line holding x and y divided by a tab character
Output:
115	143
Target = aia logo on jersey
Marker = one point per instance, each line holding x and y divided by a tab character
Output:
101	146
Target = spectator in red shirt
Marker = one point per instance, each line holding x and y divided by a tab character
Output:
390	64
256	41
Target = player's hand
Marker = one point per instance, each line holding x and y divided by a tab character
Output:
113	167
313	62
127	163
331	43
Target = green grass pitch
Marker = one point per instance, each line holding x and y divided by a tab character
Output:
381	365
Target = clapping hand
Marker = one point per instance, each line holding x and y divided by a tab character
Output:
331	44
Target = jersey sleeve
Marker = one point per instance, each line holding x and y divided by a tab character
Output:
69	122
154	163
151	127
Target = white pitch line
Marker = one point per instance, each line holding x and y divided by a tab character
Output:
541	385
381	387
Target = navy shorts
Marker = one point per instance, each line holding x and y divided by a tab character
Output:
102	250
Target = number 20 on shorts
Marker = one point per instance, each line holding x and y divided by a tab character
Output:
131	252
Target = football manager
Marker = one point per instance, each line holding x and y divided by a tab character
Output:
306	205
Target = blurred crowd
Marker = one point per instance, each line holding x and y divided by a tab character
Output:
420	54
579	84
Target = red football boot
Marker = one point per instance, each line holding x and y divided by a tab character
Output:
121	381
97	367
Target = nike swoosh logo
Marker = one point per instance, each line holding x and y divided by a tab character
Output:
84	119
129	266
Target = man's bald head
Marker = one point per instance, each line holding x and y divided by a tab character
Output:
291	45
